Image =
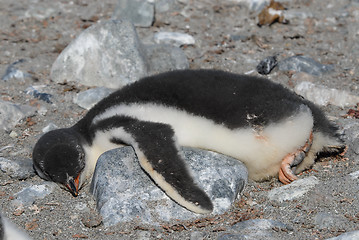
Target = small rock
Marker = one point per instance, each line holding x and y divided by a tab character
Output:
106	54
140	12
294	190
28	195
255	229
49	128
323	96
13	134
11	114
19	169
162	58
125	193
266	65
304	64
89	98
13	72
34	91
354	175
346	236
91	219
174	38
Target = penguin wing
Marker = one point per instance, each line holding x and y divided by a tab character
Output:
159	156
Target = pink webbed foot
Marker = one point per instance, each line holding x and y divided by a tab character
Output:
286	174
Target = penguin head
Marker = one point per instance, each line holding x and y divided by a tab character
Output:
58	156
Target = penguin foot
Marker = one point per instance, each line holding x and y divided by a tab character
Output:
292	160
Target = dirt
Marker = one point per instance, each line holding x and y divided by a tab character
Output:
37	31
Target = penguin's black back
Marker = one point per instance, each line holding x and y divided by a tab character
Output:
226	98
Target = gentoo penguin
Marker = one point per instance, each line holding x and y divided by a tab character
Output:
8	231
269	128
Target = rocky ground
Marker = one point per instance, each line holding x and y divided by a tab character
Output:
227	37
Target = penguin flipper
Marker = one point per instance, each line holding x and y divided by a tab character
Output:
158	154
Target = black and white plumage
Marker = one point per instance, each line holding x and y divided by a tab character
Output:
252	119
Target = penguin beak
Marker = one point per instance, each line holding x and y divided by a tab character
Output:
73	186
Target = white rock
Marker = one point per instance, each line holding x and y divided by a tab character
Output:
323	96
89	98
294	190
11	114
174	38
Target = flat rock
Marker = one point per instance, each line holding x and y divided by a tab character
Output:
28	195
125	193
11	114
19	169
347	236
304	64
255	229
323	96
174	38
294	190
106	54
87	99
163	57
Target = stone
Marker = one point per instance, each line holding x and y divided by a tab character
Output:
266	65
89	98
163	57
13	72
304	64
107	54
11	114
294	190
34	91
29	195
174	38
255	229
140	12
19	169
253	5
346	236
124	192
49	128
9	231
323	96
163	5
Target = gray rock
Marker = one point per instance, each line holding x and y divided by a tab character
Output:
294	190
29	195
106	54
163	5
253	5
124	192
325	220
34	91
11	114
174	38
9	231
255	229
140	12
347	236
162	58
13	72
19	169
323	96
89	98
304	64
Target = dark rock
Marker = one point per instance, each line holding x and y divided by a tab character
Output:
266	65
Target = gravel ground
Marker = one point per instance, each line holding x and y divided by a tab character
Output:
37	31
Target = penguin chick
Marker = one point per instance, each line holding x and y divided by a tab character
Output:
273	131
